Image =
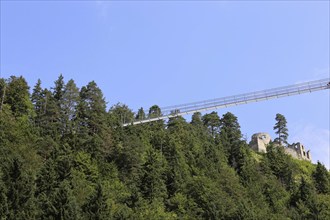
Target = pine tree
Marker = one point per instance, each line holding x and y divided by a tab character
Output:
140	115
281	129
212	122
96	206
17	96
49	119
154	111
321	179
37	101
230	137
230	125
152	181
47	185
93	134
58	90
196	119
57	97
91	108
304	199
70	100
65	202
280	165
20	194
120	114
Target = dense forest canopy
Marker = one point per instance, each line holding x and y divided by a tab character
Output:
64	156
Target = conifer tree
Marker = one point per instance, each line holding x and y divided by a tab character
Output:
37	101
154	111
17	96
279	164
57	98
97	207
304	199
65	203
92	132
49	121
281	130
212	122
140	115
20	194
230	137
196	119
70	100
152	181
229	125
91	108
46	186
321	179
120	114
58	90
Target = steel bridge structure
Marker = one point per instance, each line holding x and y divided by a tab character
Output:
224	102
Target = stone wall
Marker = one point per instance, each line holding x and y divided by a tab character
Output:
259	142
300	151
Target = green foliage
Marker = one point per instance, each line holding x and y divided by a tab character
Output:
321	179
3	88
140	115
281	129
212	122
37	101
120	114
68	106
96	206
64	157
153	177
16	94
154	111
93	135
196	119
278	163
230	137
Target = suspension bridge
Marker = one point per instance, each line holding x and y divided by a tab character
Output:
224	102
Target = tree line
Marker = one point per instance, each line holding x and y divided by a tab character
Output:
64	156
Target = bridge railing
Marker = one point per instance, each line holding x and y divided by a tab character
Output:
212	104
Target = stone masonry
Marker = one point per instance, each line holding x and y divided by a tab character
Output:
259	142
297	150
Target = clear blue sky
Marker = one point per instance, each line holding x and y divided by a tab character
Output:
165	53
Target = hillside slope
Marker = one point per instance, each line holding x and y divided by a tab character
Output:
63	156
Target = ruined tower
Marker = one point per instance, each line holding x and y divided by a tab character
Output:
259	142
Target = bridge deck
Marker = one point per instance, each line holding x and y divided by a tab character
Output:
212	104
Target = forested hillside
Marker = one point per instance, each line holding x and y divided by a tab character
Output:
64	156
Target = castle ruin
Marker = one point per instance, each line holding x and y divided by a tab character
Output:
259	142
297	150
